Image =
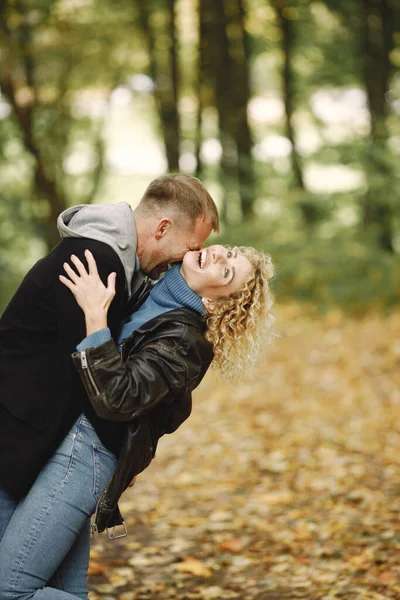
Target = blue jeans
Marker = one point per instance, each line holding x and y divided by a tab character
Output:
7	508
44	552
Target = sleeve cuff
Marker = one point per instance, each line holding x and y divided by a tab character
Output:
95	339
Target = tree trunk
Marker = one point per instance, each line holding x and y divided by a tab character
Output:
45	185
288	46
205	81
164	72
240	96
223	95
172	95
378	21
287	30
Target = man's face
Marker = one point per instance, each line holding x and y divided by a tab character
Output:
171	245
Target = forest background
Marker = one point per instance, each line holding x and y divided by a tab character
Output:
288	111
288	485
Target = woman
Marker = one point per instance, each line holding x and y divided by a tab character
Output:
216	302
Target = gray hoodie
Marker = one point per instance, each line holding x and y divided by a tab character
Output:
112	224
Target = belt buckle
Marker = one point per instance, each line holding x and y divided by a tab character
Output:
111	532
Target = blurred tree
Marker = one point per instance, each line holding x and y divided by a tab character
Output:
372	26
224	71
49	53
240	96
205	76
222	66
287	14
158	29
19	84
300	66
378	28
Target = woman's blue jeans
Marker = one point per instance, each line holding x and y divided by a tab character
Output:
44	552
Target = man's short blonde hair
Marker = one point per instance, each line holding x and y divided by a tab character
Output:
184	195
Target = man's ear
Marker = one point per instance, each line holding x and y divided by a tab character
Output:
209	305
162	228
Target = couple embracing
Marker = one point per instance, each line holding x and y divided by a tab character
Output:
97	362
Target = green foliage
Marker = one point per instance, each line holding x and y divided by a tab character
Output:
18	246
59	59
60	62
346	269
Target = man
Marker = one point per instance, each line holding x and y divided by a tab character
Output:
40	392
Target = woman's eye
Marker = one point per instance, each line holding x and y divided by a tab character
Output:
229	254
226	272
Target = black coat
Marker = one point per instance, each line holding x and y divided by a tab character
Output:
41	394
149	388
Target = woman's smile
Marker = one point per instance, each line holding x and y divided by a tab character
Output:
215	271
202	258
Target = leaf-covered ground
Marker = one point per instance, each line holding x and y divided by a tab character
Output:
284	487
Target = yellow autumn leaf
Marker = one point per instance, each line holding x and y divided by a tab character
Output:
194	567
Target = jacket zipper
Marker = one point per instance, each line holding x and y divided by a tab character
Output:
85	367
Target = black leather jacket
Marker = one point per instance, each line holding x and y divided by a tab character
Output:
149	386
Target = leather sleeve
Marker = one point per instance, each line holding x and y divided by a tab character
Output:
121	391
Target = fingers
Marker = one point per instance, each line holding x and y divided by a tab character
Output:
91	263
111	283
84	278
67	282
79	265
71	273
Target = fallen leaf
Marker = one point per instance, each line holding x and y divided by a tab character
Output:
387	578
233	545
97	568
194	567
285	487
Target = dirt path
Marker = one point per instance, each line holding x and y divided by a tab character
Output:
284	487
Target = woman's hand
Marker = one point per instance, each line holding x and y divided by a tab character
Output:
91	294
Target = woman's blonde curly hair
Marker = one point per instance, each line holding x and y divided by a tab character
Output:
240	326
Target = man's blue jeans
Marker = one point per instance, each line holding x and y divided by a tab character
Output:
44	552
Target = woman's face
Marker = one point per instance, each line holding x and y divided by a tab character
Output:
215	271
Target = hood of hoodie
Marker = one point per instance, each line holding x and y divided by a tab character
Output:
112	224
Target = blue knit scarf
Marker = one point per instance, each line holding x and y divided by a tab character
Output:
169	293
